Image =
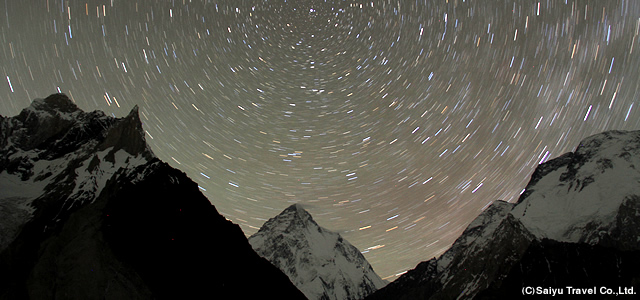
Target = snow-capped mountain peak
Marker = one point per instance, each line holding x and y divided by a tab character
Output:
292	218
319	262
578	200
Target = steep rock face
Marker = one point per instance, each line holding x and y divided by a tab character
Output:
319	262
93	214
126	135
576	224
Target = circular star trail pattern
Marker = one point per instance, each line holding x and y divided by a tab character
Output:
394	123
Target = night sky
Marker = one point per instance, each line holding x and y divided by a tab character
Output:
394	123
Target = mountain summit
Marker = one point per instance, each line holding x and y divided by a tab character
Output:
88	212
575	225
319	262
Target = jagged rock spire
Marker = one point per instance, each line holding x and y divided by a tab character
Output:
127	134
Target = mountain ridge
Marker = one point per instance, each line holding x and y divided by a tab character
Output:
579	208
88	211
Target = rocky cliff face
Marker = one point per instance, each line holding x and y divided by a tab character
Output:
87	211
319	262
576	225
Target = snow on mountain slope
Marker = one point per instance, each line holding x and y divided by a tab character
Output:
488	247
319	262
478	233
54	148
579	200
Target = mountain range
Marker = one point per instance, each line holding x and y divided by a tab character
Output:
87	211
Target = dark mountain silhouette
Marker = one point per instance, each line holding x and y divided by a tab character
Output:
87	211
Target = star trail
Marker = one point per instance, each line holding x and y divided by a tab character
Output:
394	123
